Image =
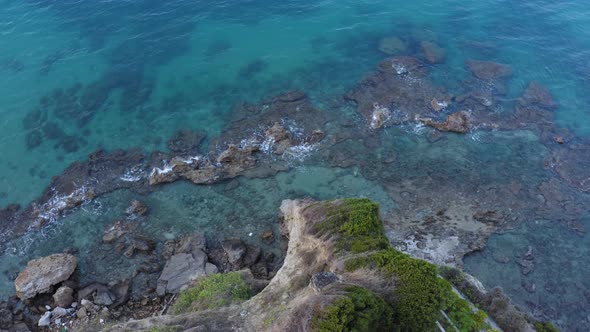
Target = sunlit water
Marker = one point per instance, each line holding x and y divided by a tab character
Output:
160	66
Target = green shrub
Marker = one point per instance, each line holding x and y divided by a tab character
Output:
211	292
545	327
355	222
459	310
358	310
418	294
163	329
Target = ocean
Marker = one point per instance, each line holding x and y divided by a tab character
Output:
78	76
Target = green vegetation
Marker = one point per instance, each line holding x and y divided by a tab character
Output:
211	292
358	310
545	327
356	223
418	294
460	311
163	329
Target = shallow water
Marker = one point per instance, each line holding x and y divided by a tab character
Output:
77	76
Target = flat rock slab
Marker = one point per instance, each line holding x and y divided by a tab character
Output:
41	274
182	269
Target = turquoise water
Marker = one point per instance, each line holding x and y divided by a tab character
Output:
81	75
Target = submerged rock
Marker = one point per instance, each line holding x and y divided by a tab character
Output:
432	52
42	274
488	70
392	45
459	122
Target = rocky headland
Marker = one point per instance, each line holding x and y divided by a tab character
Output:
340	273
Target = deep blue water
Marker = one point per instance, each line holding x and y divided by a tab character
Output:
131	73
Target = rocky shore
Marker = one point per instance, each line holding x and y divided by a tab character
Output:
448	202
339	272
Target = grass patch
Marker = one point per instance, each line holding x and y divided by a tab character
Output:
356	223
213	291
163	329
358	310
545	327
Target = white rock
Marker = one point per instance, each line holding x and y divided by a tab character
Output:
101	321
45	320
47	307
59	312
74	305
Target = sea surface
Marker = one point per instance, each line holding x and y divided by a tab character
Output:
132	73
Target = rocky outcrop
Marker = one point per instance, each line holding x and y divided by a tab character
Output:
321	268
42	274
459	122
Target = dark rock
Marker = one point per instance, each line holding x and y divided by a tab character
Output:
322	280
528	285
252	255
459	122
491	217
537	95
121	292
267	236
5	316
235	251
186	142
137	208
34	139
487	70
192	244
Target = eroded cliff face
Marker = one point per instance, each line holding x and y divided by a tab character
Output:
339	272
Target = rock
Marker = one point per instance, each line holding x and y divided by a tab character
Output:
137	208
252	255
458	122
487	70
104	297
380	115
63	297
527	262
82	313
19	327
43	273
45	320
211	269
86	303
5	316
528	285
267	236
181	270
121	292
191	244
321	280
186	142
537	95
235	251
59	312
437	105
432	52
277	138
559	140
392	46
489	217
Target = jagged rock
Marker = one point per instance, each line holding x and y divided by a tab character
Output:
489	216
438	105
380	115
63	297
181	270
278	137
235	251
137	208
487	70
252	255
42	274
392	45
322	280
527	262
45	320
432	52
458	122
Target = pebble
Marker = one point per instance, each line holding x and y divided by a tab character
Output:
47	307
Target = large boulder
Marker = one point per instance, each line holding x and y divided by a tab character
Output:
488	70
181	269
42	274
